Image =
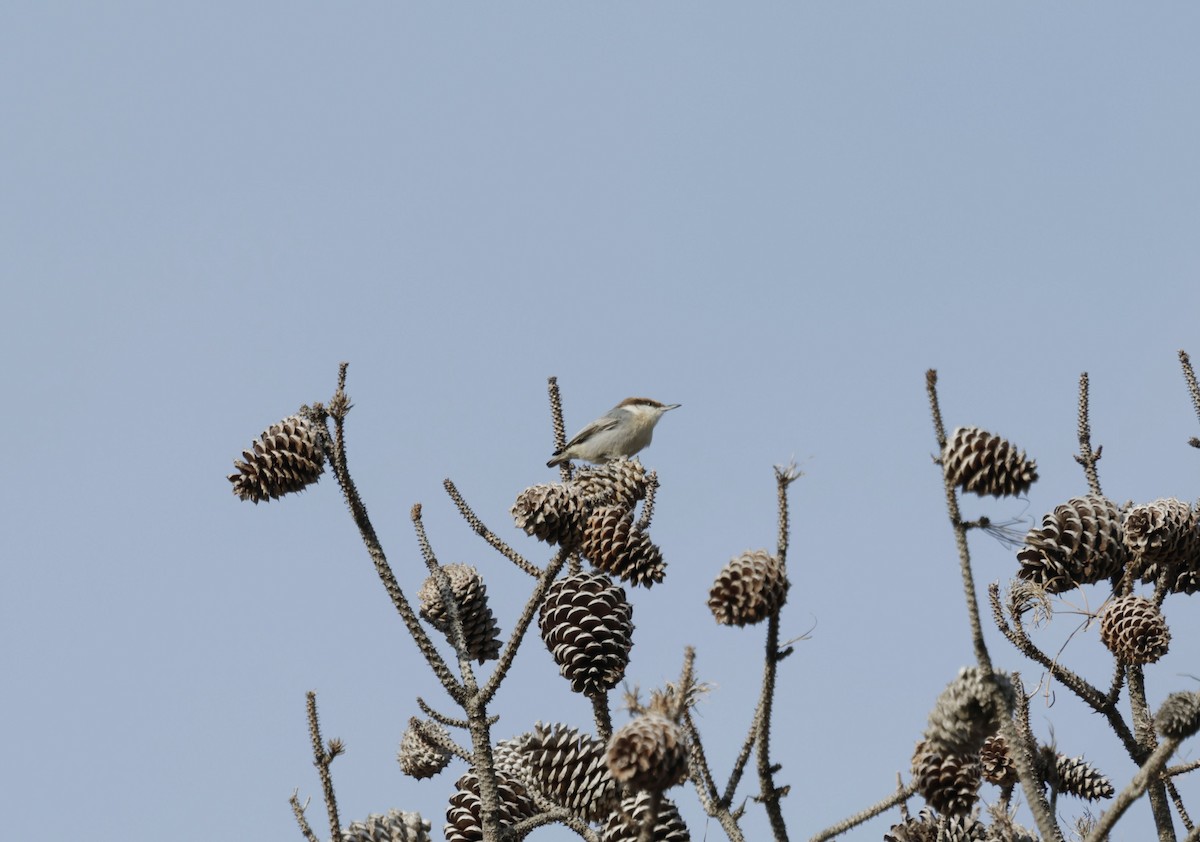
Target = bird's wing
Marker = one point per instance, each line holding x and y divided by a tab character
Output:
606	422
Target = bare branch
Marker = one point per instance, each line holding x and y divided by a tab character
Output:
322	760
1087	457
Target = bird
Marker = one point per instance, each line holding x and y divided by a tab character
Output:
623	431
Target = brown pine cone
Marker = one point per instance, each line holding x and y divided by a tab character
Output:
615	545
1179	716
927	826
649	752
620	483
1075	776
551	513
419	757
964	716
288	457
587	624
481	634
569	769
464	816
949	783
1134	630
624	824
748	589
981	463
1164	536
997	765
1079	543
393	827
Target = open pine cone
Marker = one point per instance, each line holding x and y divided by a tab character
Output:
981	463
287	457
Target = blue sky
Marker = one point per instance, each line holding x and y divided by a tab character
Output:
779	216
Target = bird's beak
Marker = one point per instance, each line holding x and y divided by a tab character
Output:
673	406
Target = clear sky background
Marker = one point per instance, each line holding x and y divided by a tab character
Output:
779	215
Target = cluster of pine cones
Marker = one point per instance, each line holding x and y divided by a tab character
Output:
961	749
1089	540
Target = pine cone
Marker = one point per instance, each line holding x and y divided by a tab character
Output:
748	589
1079	543
922	827
1179	716
287	457
1162	535
587	624
623	825
613	544
393	827
620	483
481	634
464	817
949	783
570	770
1134	630
420	757
963	716
927	825
997	765
551	513
649	752
1075	776
981	463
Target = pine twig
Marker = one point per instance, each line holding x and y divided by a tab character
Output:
555	815
457	632
702	779
322	759
488	535
509	651
1087	457
643	522
1146	775
302	820
902	794
785	475
1147	741
556	422
1177	800
1037	803
339	406
448	721
1189	375
602	715
960	531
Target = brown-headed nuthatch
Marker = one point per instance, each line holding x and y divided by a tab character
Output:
626	429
